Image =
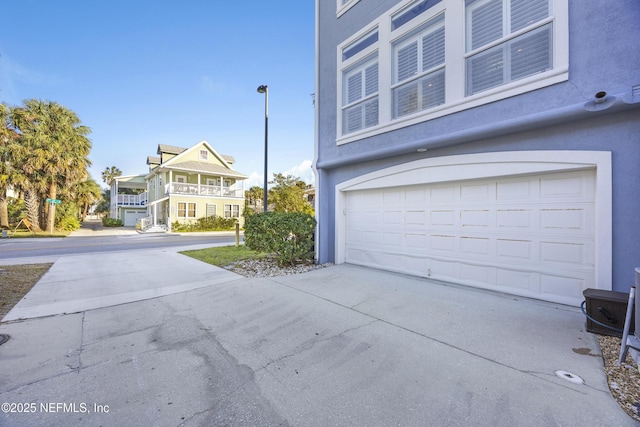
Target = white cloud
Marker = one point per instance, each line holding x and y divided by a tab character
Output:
303	171
255	179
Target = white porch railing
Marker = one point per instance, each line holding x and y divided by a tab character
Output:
203	190
132	199
145	222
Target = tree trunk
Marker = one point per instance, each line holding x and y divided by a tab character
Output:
51	217
32	206
85	209
4	210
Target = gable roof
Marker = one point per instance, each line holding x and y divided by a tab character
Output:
153	160
177	162
171	149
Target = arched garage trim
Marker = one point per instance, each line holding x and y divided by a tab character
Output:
495	165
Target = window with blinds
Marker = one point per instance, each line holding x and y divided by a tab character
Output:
186	210
424	59
231	211
418	64
506	40
360	96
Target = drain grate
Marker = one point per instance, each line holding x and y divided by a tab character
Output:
4	338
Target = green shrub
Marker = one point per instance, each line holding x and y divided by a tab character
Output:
211	223
112	222
287	234
66	217
68	223
15	209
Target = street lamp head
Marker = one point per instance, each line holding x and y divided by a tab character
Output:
262	88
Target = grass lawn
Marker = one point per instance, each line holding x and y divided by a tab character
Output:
28	234
16	281
222	256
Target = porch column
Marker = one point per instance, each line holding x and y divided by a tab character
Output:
199	184
155	214
170	181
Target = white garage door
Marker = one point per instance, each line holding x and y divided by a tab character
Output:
131	217
527	235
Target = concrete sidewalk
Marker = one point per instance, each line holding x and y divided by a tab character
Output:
339	346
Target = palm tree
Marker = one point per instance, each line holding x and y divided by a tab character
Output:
253	194
6	139
53	152
87	193
110	173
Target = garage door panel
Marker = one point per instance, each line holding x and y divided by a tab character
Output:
514	250
475	193
442	243
510	190
514	218
415	241
524	280
415	217
476	218
529	234
442	217
475	246
442	194
569	187
562	285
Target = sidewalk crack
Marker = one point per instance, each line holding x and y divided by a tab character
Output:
309	346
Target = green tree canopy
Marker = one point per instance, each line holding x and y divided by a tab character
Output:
7	138
52	153
110	173
287	195
87	193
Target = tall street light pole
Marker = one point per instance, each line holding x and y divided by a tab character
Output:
265	89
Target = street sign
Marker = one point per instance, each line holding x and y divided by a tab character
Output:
53	201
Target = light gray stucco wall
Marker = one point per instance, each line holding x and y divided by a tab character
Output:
604	54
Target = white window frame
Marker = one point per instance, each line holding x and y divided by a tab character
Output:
357	62
187	209
364	99
501	44
231	211
456	98
343	5
416	37
203	154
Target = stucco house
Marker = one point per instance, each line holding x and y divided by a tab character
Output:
182	185
489	143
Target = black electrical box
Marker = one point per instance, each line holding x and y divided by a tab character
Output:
607	308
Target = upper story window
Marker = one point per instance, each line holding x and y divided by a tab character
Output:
412	12
418	68
360	83
506	40
344	5
424	59
204	155
360	95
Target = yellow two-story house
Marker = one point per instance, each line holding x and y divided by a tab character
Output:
184	184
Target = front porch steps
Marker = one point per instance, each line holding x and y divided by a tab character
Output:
156	229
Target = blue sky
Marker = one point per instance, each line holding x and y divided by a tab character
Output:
145	72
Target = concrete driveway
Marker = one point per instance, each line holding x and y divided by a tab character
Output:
158	339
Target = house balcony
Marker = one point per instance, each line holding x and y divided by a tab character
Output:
132	199
203	190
